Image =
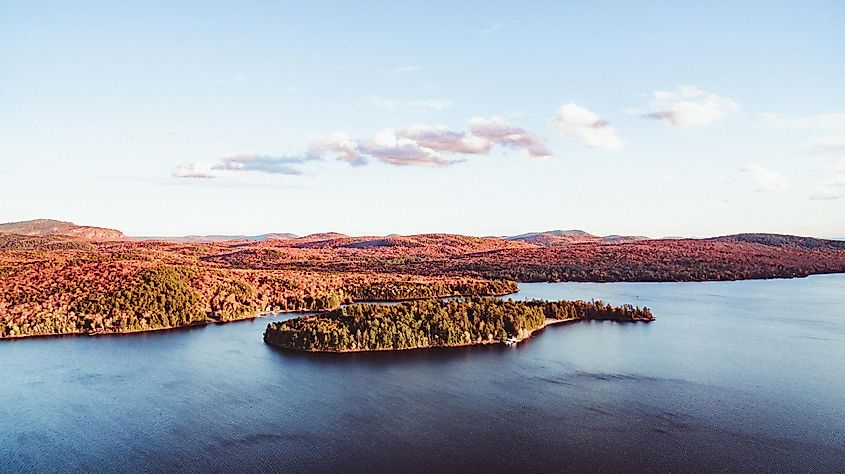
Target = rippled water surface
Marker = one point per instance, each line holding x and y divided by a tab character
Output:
737	376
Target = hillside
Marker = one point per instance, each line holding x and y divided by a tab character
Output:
60	278
566	237
219	238
45	227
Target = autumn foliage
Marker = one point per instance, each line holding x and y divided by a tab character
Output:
59	284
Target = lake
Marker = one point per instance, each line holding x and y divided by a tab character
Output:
733	376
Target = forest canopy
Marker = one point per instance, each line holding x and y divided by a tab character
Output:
435	323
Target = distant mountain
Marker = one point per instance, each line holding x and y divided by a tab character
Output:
565	237
48	227
323	236
279	236
443	244
615	239
576	233
781	240
220	238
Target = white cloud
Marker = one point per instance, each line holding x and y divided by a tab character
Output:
285	165
490	29
263	163
439	138
400	70
827	131
419	145
196	170
834	186
340	145
498	132
689	106
392	105
820	121
591	129
764	179
390	147
824	193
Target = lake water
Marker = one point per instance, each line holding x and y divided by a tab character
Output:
733	376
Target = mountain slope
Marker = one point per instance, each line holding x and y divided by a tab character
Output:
565	237
47	227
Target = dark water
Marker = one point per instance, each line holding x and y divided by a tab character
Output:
734	376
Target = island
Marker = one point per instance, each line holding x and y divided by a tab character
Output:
437	323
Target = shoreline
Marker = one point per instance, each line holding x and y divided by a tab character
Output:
256	315
486	342
261	314
546	323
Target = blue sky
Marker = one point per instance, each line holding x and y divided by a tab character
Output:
483	118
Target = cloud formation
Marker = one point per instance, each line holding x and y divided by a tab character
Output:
687	106
441	139
196	171
834	186
592	130
827	130
285	165
263	163
824	193
498	132
490	29
416	145
763	179
391	147
338	144
400	70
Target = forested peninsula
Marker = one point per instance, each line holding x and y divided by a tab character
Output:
437	323
113	301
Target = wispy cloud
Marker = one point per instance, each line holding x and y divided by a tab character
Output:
825	193
263	163
196	171
282	165
687	106
763	179
400	70
826	131
591	129
490	29
834	186
415	145
424	105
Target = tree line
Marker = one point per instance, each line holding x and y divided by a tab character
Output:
435	323
90	295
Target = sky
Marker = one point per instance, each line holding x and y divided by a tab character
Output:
369	118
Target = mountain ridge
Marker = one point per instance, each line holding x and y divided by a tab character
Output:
52	227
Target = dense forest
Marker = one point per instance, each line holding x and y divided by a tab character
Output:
435	323
738	257
89	294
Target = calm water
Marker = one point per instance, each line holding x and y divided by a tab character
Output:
733	376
